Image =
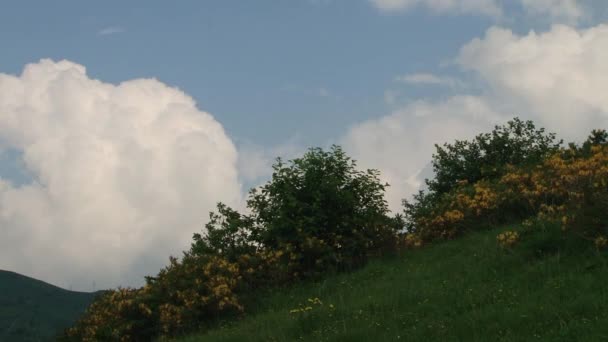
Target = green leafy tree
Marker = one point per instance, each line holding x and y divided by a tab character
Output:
597	137
228	233
320	208
486	157
516	143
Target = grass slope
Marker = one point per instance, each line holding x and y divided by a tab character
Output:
546	288
32	310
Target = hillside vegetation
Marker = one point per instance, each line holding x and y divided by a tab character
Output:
32	310
320	215
547	288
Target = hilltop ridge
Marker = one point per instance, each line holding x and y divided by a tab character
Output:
32	310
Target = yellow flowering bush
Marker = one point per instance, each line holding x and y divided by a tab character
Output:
117	315
412	240
464	208
195	291
507	239
466	192
185	295
601	242
308	306
320	214
568	188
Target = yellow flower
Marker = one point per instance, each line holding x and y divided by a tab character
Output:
601	242
507	239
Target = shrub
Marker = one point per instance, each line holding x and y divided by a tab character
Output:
507	239
411	240
517	143
467	179
601	242
318	213
567	188
194	292
184	296
318	210
117	315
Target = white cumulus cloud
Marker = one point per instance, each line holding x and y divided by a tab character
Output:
555	10
556	78
400	145
122	175
111	30
430	79
485	7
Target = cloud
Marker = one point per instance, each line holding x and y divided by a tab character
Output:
556	78
323	92
320	91
484	7
320	2
428	79
558	10
570	11
400	145
111	30
255	161
122	175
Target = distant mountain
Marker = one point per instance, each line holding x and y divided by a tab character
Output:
32	310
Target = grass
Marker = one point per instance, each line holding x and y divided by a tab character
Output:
546	288
32	310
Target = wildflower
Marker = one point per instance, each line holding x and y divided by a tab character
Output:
601	242
507	239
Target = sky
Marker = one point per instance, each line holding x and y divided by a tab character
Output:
122	124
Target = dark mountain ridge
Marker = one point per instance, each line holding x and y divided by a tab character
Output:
32	310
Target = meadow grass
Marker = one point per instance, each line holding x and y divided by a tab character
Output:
548	287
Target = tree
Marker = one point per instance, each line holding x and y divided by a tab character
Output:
318	207
486	157
517	143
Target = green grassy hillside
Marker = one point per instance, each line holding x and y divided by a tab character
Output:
32	310
549	287
544	279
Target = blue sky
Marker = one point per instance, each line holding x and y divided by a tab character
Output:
123	123
267	70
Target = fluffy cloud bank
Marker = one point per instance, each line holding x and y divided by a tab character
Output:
487	7
400	144
556	78
560	10
122	175
429	79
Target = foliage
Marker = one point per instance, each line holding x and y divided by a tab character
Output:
568	187
517	143
319	211
184	296
317	214
320	214
228	233
469	163
507	239
462	290
114	315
